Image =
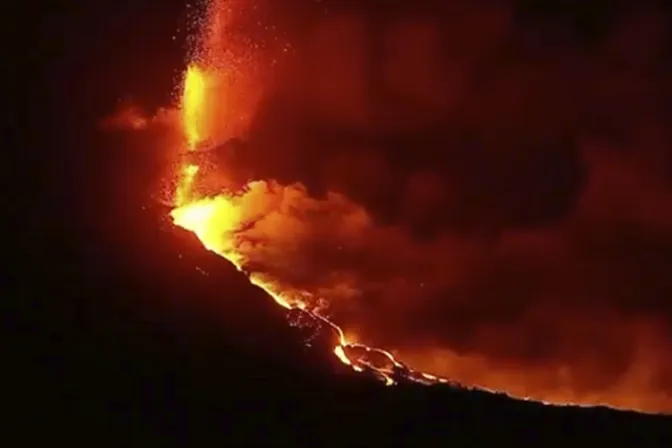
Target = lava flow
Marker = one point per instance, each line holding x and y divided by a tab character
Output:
215	221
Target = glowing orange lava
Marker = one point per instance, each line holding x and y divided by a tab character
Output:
215	221
193	113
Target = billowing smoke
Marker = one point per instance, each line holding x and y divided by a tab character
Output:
483	191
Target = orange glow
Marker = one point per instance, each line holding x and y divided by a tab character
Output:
193	102
184	187
211	110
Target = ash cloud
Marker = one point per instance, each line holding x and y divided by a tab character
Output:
485	191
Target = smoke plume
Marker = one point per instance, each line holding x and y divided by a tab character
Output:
484	191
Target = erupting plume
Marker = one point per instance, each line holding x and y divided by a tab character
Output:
216	220
523	310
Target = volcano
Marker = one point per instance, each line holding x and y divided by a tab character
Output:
127	324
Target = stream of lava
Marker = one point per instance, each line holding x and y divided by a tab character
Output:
215	220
